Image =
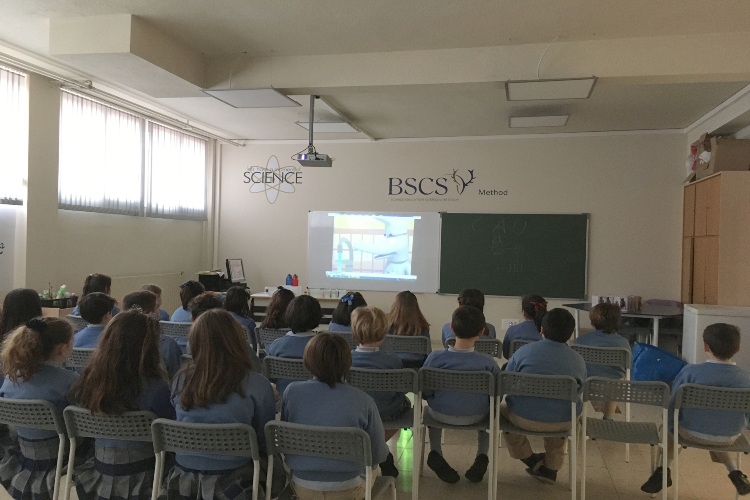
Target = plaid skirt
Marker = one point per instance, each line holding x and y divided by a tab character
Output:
117	474
9	453
31	464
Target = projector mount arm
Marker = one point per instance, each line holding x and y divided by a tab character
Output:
310	147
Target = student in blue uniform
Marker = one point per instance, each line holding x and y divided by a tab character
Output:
549	356
96	309
341	319
124	374
96	283
32	359
276	310
458	408
328	400
163	315
188	291
19	306
407	319
236	304
469	297
710	427
606	319
533	308
302	316
369	328
218	386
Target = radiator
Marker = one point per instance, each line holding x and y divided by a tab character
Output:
169	284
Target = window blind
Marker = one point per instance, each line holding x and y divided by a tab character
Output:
13	136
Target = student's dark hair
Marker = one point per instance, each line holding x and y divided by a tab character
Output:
303	314
26	349
236	301
535	308
723	339
348	303
143	300
152	288
97	283
127	357
202	303
94	306
558	325
188	290
471	297
406	317
276	309
605	317
19	306
328	357
467	322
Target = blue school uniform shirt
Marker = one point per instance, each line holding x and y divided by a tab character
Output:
546	357
335	327
525	330
51	383
248	324
292	345
88	338
490	333
77	312
255	408
163	315
181	315
459	403
598	338
410	357
390	404
711	423
312	402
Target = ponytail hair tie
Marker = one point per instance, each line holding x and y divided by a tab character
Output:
136	307
538	306
37	324
348	298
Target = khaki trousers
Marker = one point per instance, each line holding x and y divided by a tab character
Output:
719	457
357	493
519	446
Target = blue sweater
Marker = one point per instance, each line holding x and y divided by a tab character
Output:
248	324
292	345
335	327
598	338
163	315
312	402
255	408
545	357
181	315
711	422
409	356
522	331
50	383
77	311
459	403
88	338
491	333
389	404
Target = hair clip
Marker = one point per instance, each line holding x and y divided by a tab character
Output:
348	298
136	307
37	324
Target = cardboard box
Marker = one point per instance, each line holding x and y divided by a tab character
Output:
726	155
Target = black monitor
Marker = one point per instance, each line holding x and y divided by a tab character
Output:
235	271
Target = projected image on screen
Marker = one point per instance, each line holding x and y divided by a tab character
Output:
375	247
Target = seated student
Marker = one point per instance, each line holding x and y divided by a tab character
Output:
606	319
163	315
533	308
459	408
710	427
407	319
303	315
236	304
369	328
218	386
341	319
188	291
19	306
96	283
550	356
276	309
327	400
124	374
469	297
96	309
32	358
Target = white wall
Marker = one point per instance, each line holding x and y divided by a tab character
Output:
630	184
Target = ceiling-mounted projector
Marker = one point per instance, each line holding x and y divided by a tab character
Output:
310	157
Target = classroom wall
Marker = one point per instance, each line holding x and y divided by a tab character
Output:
630	184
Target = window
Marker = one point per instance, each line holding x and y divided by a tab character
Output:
13	136
114	161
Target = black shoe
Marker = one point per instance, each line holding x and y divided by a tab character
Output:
388	468
543	474
739	480
653	485
534	461
478	469
445	472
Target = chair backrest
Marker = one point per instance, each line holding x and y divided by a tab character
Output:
129	426
79	358
268	335
77	322
626	391
175	330
436	379
608	356
517	344
712	398
493	347
540	386
406	344
237	440
339	443
346	335
285	368
374	380
31	413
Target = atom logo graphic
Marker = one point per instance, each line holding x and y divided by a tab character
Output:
273	179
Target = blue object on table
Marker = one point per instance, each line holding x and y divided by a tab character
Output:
653	363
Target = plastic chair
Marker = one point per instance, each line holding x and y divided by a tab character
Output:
644	393
288	368
493	347
268	335
77	322
517	344
80	423
237	440
175	330
346	335
79	358
339	443
476	382
705	397
37	414
404	344
544	386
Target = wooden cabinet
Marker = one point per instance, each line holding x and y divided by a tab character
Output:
716	240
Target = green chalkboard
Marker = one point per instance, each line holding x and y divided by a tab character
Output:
515	254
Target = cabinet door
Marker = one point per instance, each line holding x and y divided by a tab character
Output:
700	252
713	199
701	208
687	271
711	283
688	213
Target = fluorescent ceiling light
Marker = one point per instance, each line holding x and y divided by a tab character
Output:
326	127
538	121
544	90
252	98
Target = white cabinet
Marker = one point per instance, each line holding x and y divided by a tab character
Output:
698	316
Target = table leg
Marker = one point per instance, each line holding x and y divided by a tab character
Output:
655	340
578	322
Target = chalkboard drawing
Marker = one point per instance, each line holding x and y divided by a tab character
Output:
499	228
519	228
461	183
394	248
